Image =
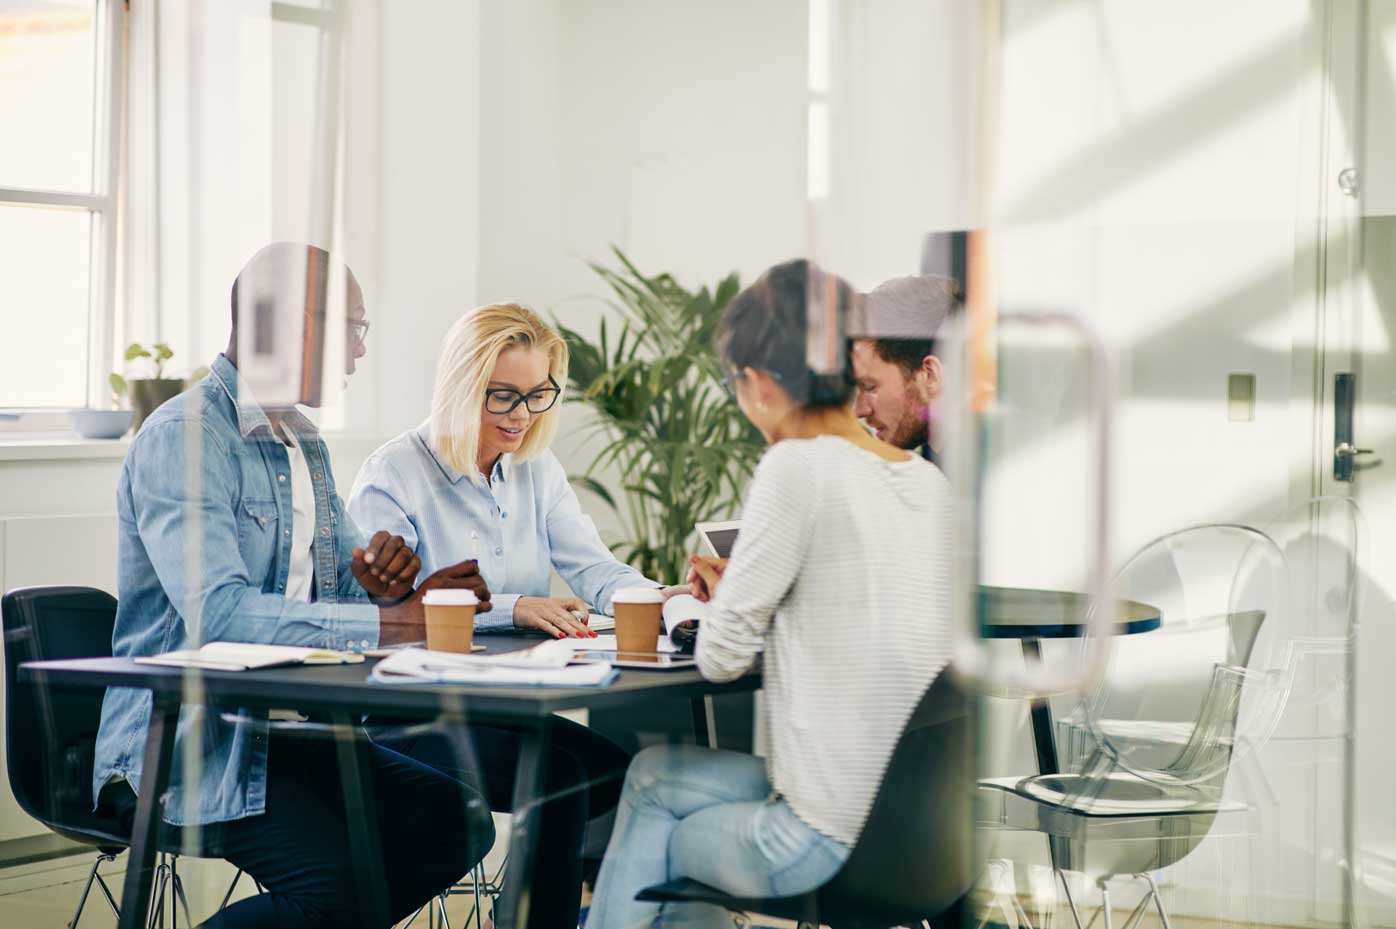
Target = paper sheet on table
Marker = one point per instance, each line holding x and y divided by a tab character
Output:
607	643
543	665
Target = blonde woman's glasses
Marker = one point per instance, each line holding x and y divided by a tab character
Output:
501	401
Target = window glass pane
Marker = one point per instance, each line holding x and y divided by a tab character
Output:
296	79
47	68
43	306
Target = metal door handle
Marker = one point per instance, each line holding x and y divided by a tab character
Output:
971	659
1346	450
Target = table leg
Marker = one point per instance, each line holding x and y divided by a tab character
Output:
361	812
528	794
145	831
704	726
1043	737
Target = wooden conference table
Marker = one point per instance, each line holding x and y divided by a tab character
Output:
344	694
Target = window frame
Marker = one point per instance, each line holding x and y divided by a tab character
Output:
102	205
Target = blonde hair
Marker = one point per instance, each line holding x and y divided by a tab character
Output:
473	346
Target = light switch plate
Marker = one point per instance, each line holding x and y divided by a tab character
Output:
1240	397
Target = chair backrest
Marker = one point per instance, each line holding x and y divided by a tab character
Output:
50	732
1169	706
914	857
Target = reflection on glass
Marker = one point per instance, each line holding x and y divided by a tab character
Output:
47	62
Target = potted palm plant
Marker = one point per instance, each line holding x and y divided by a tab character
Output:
681	450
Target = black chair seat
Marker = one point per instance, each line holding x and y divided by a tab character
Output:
914	858
51	732
800	909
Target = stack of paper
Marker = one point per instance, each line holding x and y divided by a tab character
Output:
543	665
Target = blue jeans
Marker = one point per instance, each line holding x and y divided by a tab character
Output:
433	830
690	812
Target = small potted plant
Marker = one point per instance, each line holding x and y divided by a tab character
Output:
147	393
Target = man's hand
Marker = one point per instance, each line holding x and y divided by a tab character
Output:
704	574
552	616
386	567
406	621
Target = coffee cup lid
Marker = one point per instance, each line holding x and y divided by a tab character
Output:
638	595
441	597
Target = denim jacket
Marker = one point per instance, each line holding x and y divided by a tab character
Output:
204	544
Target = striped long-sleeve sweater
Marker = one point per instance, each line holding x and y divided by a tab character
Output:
841	578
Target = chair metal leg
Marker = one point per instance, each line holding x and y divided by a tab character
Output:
1137	916
1158	900
106	892
1105	904
86	889
231	887
177	885
476	876
157	893
441	905
1066	887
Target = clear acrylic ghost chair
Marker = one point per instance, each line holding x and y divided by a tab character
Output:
1147	750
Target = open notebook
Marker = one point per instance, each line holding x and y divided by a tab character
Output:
245	656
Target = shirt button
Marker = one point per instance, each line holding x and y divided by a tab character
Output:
287	533
503	515
280	586
499	551
281	478
325	531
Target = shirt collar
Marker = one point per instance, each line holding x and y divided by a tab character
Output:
251	417
502	467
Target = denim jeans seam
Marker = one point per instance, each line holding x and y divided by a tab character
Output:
697	789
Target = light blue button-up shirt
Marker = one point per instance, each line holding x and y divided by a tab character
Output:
520	525
204	547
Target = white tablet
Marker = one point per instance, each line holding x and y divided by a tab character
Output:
718	538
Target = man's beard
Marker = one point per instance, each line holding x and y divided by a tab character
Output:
911	432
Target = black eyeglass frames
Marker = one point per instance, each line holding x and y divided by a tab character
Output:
503	400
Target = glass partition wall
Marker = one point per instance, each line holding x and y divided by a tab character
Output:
1121	272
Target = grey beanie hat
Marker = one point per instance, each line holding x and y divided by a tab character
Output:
911	307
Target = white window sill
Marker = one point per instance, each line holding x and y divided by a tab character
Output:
53	446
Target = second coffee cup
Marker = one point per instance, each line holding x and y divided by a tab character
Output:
639	613
450	620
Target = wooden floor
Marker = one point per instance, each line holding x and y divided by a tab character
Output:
44	895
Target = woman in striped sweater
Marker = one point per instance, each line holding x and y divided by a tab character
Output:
841	579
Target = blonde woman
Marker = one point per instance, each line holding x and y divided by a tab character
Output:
476	481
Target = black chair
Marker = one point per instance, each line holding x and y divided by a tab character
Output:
51	732
914	859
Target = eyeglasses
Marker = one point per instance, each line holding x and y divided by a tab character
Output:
502	401
358	328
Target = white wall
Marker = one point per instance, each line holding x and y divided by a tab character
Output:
1155	176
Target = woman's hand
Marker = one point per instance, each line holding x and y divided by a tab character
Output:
704	574
553	616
